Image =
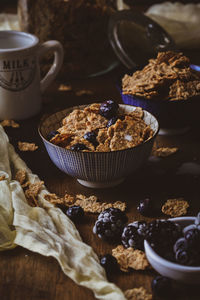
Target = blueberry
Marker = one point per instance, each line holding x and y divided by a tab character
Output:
108	109
62	207
75	213
51	134
110	224
192	237
109	263
145	207
161	286
133	235
91	137
182	257
78	147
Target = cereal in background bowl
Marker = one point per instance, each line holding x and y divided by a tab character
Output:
168	87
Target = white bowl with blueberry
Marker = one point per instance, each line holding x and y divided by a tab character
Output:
175	252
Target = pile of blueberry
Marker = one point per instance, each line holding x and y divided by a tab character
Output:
187	247
167	238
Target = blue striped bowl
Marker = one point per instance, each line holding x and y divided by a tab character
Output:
170	114
97	169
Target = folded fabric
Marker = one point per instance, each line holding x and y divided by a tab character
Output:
46	229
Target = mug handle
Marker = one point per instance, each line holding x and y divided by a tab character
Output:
57	48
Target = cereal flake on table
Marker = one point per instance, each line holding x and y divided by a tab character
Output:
84	93
170	70
165	151
25	146
137	294
175	207
65	88
9	123
89	204
130	258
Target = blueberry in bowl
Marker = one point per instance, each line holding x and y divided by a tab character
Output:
99	144
176	255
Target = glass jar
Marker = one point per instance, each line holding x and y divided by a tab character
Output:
81	27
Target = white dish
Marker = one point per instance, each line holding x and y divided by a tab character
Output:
186	274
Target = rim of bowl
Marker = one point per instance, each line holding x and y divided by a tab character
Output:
163	101
99	152
194	98
160	260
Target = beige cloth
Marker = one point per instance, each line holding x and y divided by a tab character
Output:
181	21
46	229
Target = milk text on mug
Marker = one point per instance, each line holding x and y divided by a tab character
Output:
20	84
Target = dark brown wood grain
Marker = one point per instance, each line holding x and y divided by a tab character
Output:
27	275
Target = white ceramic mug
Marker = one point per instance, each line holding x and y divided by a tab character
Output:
20	84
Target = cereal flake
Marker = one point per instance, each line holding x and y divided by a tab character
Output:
24	146
137	294
165	151
89	204
175	207
130	258
9	123
65	88
84	93
2	177
21	176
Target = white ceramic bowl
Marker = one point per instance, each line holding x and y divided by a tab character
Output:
186	274
97	169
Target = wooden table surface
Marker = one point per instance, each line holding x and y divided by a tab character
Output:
29	276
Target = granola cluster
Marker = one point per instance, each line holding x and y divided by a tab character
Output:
168	77
129	130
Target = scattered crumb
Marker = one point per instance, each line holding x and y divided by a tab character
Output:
84	93
9	123
64	87
130	258
165	151
24	146
137	294
21	176
175	207
2	177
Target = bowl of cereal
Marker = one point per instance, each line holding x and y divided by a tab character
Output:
184	263
99	144
168	87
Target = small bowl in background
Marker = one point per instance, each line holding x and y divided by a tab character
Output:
178	114
175	116
97	169
186	274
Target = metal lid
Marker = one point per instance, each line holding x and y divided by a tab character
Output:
136	38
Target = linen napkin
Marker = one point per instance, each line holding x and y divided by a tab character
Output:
46	229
